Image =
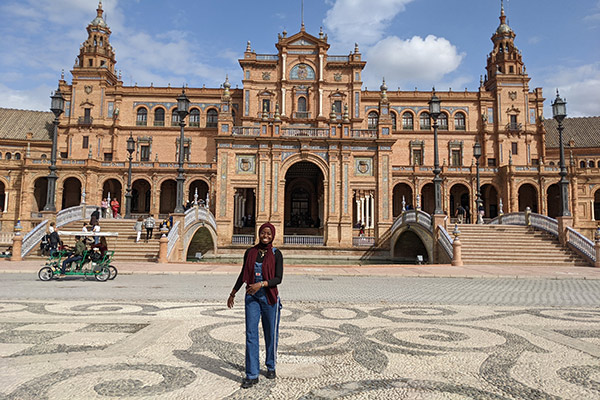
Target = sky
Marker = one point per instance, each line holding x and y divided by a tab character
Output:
412	43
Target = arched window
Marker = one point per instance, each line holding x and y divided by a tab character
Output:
18	156
142	117
159	117
372	120
8	156
551	163
233	116
174	118
44	156
581	164
591	164
407	121
212	117
195	117
301	104
459	121
394	126
443	121
424	121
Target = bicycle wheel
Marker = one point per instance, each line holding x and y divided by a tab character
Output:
103	275
113	272
45	274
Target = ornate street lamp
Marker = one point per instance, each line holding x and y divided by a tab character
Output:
130	150
434	112
57	106
183	106
559	112
477	154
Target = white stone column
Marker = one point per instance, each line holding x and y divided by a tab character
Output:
362	211
371	217
357	208
243	206
236	212
282	101
6	203
284	58
320	67
591	203
320	102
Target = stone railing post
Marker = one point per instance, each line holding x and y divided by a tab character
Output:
163	247
17	243
456	249
528	216
597	248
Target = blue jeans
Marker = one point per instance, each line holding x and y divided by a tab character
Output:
257	307
69	260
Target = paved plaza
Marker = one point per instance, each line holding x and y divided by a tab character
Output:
352	337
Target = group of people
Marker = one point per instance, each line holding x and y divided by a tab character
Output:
462	214
114	207
142	223
96	252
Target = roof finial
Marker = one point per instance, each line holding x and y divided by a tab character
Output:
248	48
502	15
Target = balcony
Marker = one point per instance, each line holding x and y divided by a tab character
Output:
85	121
309	132
246	131
301	115
364	133
514	127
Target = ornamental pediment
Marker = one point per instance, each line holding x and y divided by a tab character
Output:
302	42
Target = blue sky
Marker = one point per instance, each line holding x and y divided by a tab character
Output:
412	43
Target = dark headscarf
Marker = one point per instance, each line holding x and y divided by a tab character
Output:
268	263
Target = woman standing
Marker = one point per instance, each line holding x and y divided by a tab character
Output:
262	271
138	228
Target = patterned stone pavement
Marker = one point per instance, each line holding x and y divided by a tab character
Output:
183	350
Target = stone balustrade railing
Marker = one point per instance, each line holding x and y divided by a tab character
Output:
303	240
583	245
33	237
242	239
445	241
416	216
173	237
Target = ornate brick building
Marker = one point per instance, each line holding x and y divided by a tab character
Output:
301	144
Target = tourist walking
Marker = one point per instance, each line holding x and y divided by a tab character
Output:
138	228
460	213
262	271
149	224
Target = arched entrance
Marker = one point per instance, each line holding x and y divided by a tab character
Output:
303	213
459	194
553	200
202	242
71	194
168	196
2	197
112	187
528	197
428	198
202	188
597	205
140	196
40	194
408	246
489	196
402	191
244	211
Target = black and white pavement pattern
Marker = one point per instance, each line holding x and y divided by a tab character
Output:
103	348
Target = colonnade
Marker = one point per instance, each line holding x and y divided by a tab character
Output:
365	208
239	207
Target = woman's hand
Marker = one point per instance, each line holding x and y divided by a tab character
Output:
253	288
230	301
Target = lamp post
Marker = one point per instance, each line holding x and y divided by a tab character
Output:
56	106
477	154
130	150
434	112
559	112
183	106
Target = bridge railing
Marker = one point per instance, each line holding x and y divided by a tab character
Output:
445	241
416	216
33	237
581	244
173	237
539	221
199	213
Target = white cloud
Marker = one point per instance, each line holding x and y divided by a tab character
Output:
37	98
579	85
413	61
362	21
